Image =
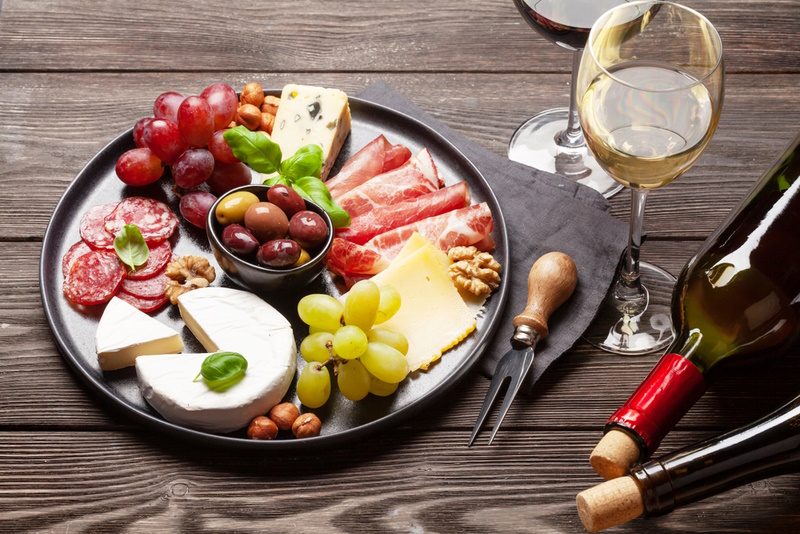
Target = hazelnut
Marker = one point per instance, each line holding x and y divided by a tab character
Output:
270	105
284	415
252	94
267	122
249	116
307	425
262	427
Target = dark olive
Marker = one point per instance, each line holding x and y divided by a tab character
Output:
286	199
266	221
308	229
237	238
278	253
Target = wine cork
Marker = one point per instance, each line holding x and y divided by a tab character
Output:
614	454
609	504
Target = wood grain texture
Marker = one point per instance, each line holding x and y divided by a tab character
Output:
406	482
342	36
93	108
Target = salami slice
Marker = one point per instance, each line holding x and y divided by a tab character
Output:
150	288
75	251
93	229
153	218
160	255
144	305
94	278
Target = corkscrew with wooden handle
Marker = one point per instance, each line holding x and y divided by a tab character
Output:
550	283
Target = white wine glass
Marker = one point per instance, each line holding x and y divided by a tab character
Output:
650	94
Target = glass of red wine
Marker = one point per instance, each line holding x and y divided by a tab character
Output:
553	141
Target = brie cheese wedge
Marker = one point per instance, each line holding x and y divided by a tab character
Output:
229	320
124	333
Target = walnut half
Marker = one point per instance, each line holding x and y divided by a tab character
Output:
476	272
187	273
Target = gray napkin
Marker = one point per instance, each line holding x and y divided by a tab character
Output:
543	213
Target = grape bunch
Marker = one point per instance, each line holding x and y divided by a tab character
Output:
366	359
185	134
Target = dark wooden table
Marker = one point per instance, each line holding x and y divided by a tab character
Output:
75	73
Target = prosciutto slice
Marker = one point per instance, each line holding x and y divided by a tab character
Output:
375	158
380	220
350	260
413	179
461	227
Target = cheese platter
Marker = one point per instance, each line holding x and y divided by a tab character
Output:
139	380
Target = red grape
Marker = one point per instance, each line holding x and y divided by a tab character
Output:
223	100
164	139
227	176
220	148
193	167
139	167
194	207
195	121
138	129
166	106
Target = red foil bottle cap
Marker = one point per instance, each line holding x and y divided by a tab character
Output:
668	392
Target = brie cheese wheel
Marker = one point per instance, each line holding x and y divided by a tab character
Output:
229	320
124	333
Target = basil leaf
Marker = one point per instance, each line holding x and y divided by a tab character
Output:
783	183
280	179
307	161
222	370
131	247
254	149
314	189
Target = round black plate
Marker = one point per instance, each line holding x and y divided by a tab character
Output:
343	420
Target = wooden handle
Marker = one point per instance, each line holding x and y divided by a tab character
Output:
550	283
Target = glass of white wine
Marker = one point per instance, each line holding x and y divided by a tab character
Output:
650	94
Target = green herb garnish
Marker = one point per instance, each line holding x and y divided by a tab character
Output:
131	247
222	370
300	171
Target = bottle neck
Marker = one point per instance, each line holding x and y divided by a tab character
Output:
768	447
671	388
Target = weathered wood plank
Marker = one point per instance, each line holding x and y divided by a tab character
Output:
581	390
425	482
354	36
57	122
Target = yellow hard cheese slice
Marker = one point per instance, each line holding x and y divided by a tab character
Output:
432	314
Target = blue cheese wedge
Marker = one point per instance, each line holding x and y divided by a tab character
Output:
230	320
312	115
125	333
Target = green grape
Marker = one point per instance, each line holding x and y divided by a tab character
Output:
314	385
317	330
389	337
321	311
380	388
349	342
361	305
314	348
385	363
353	379
390	303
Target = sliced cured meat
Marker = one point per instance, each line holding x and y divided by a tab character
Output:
93	229
143	305
461	227
395	156
150	288
154	219
348	259
75	251
94	278
485	245
160	255
413	179
380	220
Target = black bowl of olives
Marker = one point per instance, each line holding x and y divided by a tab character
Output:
268	238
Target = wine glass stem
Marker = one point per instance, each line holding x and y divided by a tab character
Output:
628	290
573	135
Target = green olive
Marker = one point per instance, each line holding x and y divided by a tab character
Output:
305	257
233	207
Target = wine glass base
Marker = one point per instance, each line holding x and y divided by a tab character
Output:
534	144
615	331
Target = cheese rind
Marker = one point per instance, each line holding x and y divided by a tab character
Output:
231	320
125	333
312	115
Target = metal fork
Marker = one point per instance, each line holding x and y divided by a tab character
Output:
550	283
